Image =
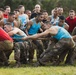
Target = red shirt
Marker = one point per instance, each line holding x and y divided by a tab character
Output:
4	35
5	15
71	23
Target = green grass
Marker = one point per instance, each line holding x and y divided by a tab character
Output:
69	70
30	70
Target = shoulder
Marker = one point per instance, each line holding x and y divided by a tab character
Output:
75	18
2	22
55	27
30	22
15	28
67	18
25	15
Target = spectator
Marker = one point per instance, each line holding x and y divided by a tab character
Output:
7	10
71	20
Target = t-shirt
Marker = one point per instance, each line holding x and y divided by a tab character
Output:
54	20
71	23
24	21
5	15
4	35
33	15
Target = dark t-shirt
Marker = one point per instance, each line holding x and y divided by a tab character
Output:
33	15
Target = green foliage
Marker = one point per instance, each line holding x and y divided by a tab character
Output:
49	5
45	4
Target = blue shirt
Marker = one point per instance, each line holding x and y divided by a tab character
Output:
23	20
5	21
17	38
62	33
34	28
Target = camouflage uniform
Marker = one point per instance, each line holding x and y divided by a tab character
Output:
20	50
36	44
61	46
5	51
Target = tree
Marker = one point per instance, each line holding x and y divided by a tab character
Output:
45	4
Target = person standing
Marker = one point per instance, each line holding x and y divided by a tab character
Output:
71	20
32	28
7	10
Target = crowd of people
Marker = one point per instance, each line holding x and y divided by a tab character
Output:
24	31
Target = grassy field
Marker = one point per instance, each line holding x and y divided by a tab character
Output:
69	70
30	70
